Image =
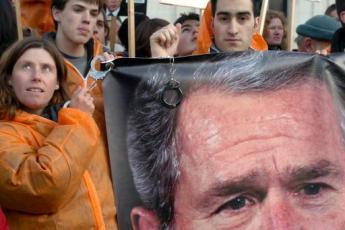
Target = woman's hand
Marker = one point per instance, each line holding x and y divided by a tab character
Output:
82	100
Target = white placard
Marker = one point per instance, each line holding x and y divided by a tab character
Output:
138	1
188	3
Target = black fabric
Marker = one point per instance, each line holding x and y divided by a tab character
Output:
120	84
51	112
274	47
338	41
214	49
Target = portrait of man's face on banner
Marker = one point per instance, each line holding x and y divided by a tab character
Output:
243	140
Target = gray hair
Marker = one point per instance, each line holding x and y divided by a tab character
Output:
152	141
299	41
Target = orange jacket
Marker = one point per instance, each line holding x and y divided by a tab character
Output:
54	175
205	34
36	14
75	79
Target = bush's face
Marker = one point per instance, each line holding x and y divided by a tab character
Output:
260	161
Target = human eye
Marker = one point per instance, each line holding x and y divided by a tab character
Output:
47	68
223	18
314	193
94	13
236	205
243	17
100	24
26	66
186	30
314	189
78	8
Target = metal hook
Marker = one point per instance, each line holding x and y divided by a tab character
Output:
171	95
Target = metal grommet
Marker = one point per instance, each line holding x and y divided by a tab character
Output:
171	95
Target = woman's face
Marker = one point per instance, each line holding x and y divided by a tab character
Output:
275	32
34	79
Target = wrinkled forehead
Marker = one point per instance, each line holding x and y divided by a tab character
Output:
303	111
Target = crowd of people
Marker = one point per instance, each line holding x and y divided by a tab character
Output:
54	162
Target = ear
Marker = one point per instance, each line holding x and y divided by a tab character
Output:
342	16
56	14
308	45
144	219
10	82
57	87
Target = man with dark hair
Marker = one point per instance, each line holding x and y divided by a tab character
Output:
75	21
332	11
338	41
234	24
254	144
189	33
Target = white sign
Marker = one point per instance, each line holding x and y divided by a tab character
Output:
189	3
137	1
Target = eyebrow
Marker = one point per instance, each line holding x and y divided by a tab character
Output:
248	182
77	4
253	182
226	13
319	169
186	26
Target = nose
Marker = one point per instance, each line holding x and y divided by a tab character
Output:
37	74
86	17
195	30
233	27
278	214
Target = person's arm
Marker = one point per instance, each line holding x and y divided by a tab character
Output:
40	177
164	42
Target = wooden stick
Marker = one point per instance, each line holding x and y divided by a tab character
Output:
131	28
291	20
19	20
113	34
264	8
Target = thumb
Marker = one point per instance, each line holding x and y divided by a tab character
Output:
178	28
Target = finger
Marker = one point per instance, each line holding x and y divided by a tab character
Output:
178	28
167	36
77	91
107	57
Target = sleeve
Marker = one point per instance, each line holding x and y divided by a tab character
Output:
42	179
36	14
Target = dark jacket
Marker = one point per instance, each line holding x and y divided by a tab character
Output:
338	41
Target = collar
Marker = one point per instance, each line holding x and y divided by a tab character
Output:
213	49
112	13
